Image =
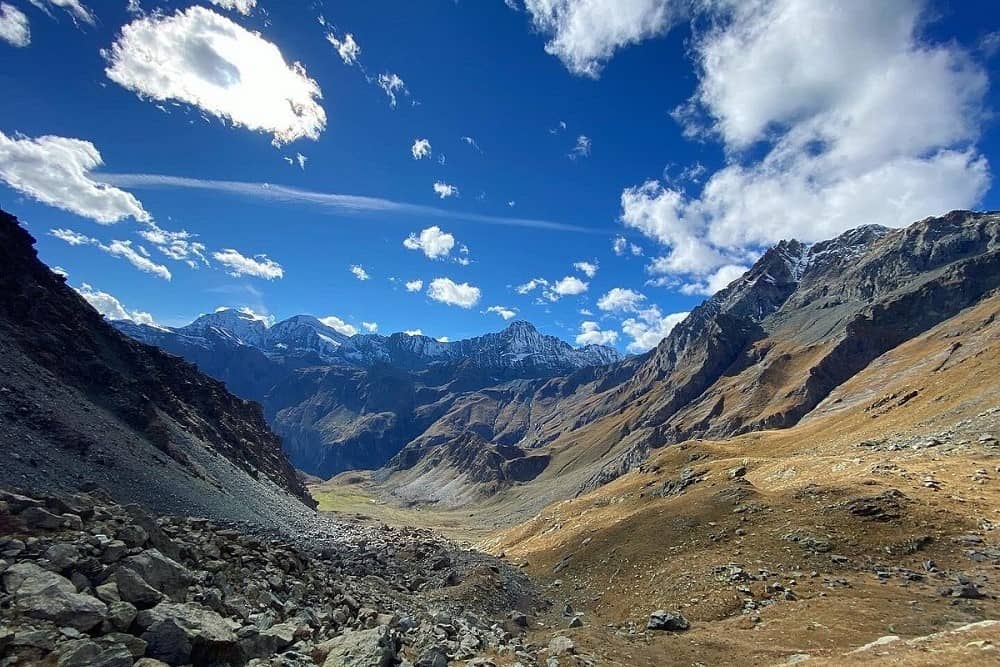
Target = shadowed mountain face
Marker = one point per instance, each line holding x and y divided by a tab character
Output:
342	403
760	354
83	404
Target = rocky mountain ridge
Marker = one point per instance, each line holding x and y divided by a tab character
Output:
83	404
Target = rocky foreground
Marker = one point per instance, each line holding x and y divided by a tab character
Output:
87	582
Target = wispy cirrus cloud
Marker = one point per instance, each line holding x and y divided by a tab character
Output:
336	202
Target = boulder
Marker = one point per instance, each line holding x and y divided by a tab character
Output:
36	517
48	596
364	648
134	589
87	653
667	620
162	573
187	633
560	645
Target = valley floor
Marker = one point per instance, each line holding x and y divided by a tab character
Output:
874	520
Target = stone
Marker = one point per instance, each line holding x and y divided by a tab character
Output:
36	517
136	646
150	662
363	648
433	656
87	653
668	621
162	573
121	614
576	622
133	588
6	638
560	645
183	633
62	556
114	551
108	593
133	536
48	596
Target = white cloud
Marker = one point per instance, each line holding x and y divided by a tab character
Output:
649	327
121	249
56	171
301	159
258	266
568	286
391	84
833	115
591	334
339	325
198	57
242	6
421	148
589	269
472	142
446	290
14	26
74	8
175	245
503	311
413	332
512	203
347	48
531	285
444	190
621	300
620	245
582	147
443	339
60	271
71	237
414	285
584	34
370	327
359	272
434	243
715	282
110	307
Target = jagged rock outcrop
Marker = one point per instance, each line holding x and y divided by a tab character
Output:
83	404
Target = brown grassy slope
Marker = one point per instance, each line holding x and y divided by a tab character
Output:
809	493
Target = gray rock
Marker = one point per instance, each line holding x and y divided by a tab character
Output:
162	573
114	551
182	633
87	653
36	517
108	592
560	645
121	615
62	556
136	646
669	621
364	648
434	656
48	596
133	588
133	536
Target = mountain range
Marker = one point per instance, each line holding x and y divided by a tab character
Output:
343	402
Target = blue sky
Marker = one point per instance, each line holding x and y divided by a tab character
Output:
624	158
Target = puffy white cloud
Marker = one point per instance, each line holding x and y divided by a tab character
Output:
621	300
242	6
199	57
589	269
121	249
444	190
14	27
258	266
359	272
56	171
413	332
414	285
178	245
531	285
370	327
503	311
591	334
109	306
582	147
568	286
833	115
434	243
620	246
421	148
391	84
715	282
339	325
74	8
584	34
347	48
649	327
446	290
443	339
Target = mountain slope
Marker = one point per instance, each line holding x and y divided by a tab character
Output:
762	353
83	404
